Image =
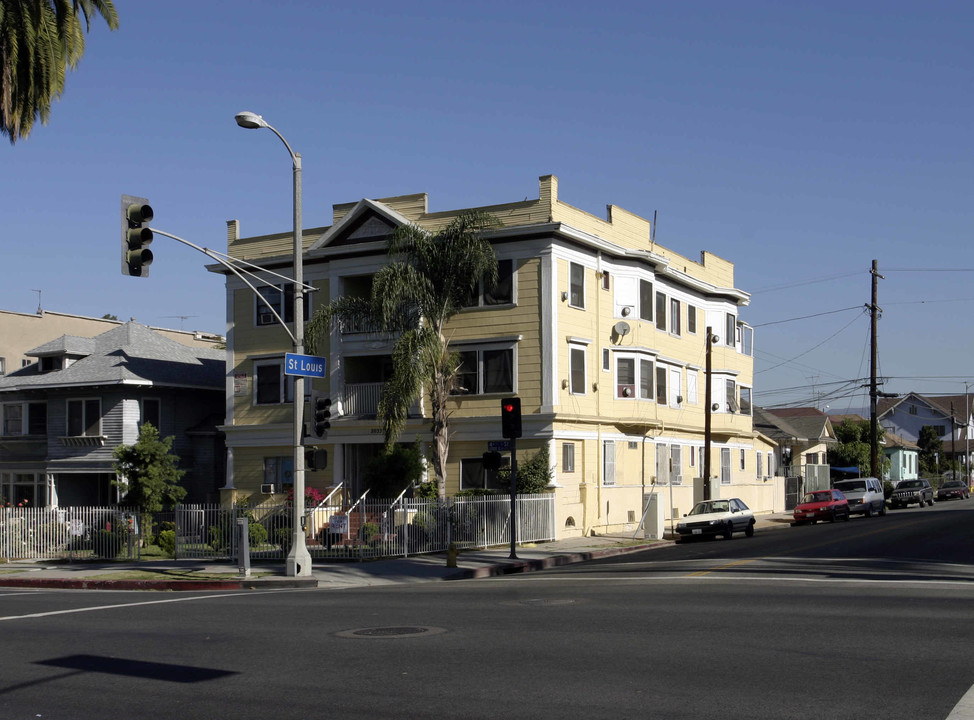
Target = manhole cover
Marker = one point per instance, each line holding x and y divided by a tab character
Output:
392	632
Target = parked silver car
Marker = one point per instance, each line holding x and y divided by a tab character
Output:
865	496
716	517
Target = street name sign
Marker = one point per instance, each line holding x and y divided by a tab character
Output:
304	365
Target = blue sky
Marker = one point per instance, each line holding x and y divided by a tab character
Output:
798	141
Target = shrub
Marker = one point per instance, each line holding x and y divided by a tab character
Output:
107	544
369	530
216	539
256	534
167	541
167	525
282	536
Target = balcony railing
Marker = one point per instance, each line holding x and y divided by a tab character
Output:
361	398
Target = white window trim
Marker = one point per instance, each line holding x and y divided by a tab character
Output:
84	402
574	347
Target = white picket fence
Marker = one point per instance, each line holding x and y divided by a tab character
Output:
371	528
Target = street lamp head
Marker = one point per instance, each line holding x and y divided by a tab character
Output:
249	120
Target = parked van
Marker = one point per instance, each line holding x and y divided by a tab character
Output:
865	496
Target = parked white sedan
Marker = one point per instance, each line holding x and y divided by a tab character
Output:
716	517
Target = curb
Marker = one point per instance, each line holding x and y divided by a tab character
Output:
159	585
524	566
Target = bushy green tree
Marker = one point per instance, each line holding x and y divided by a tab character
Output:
931	447
39	41
853	447
533	475
389	473
148	473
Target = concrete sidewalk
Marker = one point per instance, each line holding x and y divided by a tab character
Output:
204	575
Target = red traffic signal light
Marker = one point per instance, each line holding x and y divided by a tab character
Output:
511	418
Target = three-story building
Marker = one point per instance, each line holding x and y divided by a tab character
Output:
599	331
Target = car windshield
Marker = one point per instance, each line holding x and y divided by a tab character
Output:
710	506
817	497
953	483
851	485
910	484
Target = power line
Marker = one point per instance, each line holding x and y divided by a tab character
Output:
809	350
806	282
806	317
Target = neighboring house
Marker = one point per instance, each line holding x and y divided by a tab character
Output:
950	415
64	414
22	332
599	331
803	435
903	457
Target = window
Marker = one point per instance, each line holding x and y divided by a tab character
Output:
676	465
474	476
3	366
605	280
811	458
692	387
661	385
606	362
274	294
269	383
576	295
742	460
37	418
732	396
151	412
278	472
691	319
675	316
568	457
660	311
692	458
747	339
730	330
913	409
646	379
646	300
503	291
608	462
625	377
725	466
577	358
940	429
485	371
770	464
13	419
84	418
745	400
50	363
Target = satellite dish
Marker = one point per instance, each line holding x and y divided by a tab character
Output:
621	328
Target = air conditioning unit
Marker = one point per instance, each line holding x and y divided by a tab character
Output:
267	488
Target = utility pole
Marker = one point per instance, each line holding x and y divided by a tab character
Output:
874	311
706	417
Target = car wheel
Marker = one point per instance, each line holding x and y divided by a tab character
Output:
729	531
749	530
930	502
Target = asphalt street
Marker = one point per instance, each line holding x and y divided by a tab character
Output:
863	619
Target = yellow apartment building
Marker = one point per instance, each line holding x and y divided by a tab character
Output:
599	331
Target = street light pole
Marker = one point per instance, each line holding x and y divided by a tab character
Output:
298	562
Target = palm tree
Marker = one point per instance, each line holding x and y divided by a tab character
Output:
39	41
429	279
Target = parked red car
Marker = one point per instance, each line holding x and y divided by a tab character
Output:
822	505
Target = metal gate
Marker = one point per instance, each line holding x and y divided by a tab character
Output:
793	492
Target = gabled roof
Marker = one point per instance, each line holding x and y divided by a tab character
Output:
369	219
892	440
129	354
938	403
803	424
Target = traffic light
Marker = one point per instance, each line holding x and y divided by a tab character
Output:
492	460
315	458
511	417
136	236
321	407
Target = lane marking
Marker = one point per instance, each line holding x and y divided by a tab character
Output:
920	584
95	608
